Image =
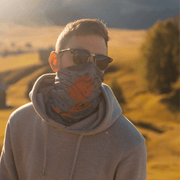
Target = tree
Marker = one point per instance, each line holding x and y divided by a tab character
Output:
117	91
161	53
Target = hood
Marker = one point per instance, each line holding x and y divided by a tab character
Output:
109	109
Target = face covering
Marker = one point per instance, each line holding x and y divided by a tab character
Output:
76	93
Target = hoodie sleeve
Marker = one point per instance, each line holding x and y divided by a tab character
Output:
133	165
7	165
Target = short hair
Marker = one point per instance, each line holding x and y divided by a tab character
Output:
82	27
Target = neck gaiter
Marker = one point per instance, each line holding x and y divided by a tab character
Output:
76	93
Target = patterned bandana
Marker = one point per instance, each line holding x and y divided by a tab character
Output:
76	93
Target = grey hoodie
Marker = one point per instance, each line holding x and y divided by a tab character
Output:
104	146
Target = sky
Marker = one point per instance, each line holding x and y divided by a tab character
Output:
20	8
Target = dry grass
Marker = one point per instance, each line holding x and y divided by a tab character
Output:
158	124
37	36
18	61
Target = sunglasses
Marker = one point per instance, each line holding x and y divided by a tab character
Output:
83	55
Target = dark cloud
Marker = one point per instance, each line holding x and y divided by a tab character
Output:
116	13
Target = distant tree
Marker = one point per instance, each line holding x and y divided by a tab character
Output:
161	53
28	45
117	91
13	44
5	52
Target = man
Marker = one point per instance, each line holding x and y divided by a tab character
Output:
74	128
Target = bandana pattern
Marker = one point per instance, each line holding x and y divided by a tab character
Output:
76	93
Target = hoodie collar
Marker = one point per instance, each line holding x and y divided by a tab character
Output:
109	109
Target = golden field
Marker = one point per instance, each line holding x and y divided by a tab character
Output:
158	123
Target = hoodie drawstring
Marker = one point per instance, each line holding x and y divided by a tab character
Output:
75	156
45	151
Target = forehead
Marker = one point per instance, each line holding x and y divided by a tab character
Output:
94	44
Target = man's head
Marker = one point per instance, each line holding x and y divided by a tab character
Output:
87	34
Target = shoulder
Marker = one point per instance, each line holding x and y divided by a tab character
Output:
126	135
22	115
22	110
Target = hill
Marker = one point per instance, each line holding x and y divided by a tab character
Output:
158	123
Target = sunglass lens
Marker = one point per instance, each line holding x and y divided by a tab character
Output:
102	62
80	56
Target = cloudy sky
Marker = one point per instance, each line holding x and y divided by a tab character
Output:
107	10
17	7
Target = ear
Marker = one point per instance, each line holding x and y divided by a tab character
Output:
53	61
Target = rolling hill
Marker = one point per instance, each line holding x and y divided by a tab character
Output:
157	122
